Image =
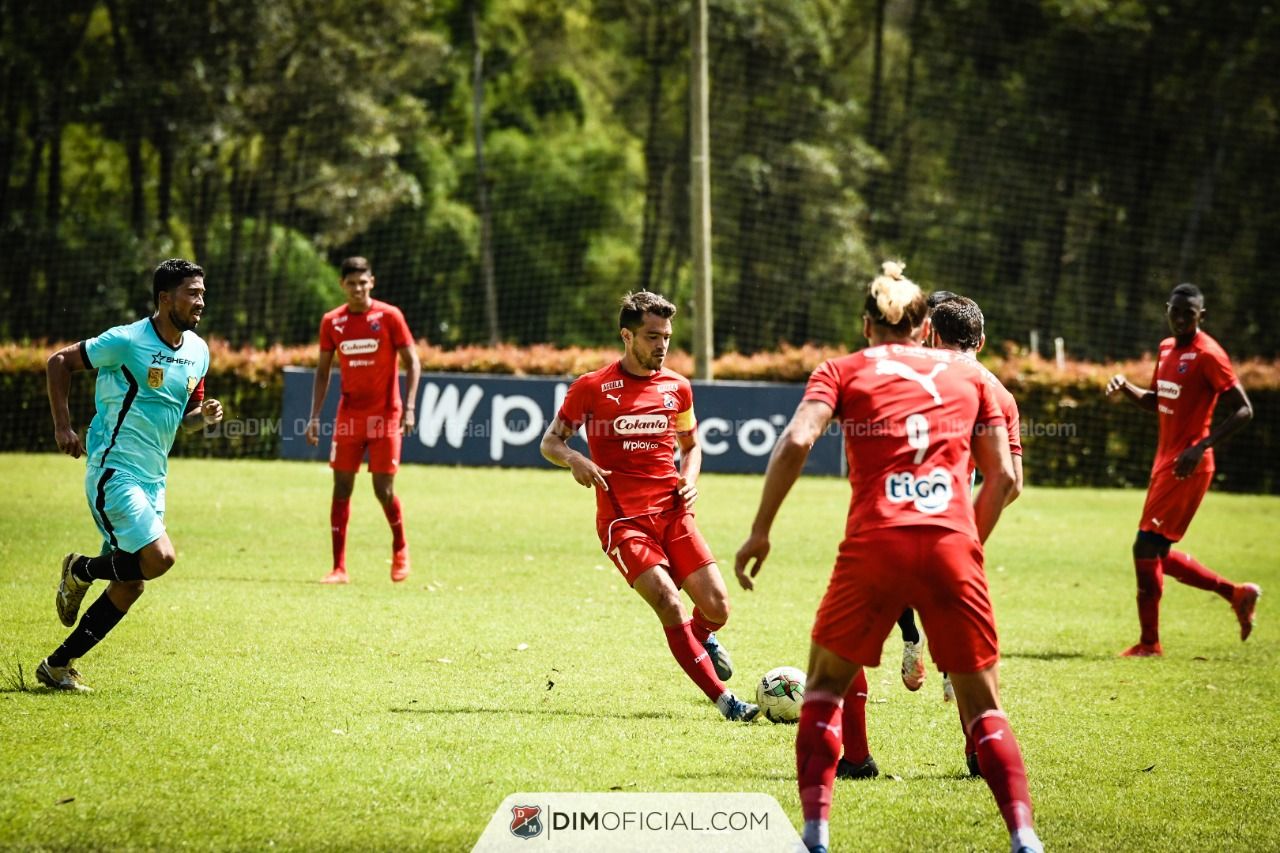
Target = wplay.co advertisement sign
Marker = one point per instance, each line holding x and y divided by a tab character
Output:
468	419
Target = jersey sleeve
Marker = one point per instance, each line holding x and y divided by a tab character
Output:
685	420
577	403
400	335
824	385
196	397
327	343
1013	422
108	349
1218	371
989	411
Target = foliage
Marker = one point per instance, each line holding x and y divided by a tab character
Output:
1073	434
1063	162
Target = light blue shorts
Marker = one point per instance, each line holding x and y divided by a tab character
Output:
128	512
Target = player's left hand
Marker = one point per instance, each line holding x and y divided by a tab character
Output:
407	423
753	551
687	491
211	411
1187	462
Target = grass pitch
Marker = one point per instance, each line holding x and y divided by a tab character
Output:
241	705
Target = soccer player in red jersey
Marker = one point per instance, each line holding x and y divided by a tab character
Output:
911	416
959	327
636	412
1192	373
369	337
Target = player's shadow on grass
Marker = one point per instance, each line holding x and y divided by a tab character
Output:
539	712
1045	655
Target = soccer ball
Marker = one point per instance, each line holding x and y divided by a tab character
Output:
780	693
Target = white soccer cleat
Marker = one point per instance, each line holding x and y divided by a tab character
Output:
61	678
71	592
948	692
913	665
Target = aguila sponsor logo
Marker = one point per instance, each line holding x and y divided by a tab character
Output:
640	424
359	346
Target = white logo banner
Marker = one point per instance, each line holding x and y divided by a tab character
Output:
616	822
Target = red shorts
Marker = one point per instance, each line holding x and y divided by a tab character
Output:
934	570
1171	502
668	539
384	454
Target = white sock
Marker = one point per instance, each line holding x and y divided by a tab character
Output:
1025	837
816	832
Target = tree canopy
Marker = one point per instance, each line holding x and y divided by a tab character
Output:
1065	162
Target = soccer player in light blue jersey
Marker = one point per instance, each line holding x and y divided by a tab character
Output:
150	382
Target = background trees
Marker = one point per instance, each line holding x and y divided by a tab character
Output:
1063	161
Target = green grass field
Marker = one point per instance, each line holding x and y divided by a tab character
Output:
243	706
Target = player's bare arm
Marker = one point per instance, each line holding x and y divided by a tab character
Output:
1237	402
785	464
58	372
413	372
1143	398
207	413
319	389
1017	478
991	455
556	450
690	466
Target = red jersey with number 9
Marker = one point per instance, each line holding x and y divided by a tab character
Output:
632	423
908	416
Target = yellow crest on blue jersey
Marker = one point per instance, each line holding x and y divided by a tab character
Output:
155	377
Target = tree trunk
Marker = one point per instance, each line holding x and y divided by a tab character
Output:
654	161
482	182
877	77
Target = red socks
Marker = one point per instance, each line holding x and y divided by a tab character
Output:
703	627
339	515
1150	588
693	659
1002	767
853	726
817	751
396	520
1186	569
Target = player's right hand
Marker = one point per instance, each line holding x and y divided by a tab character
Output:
69	442
313	432
753	552
1117	382
588	473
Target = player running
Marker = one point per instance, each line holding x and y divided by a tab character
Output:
636	412
1192	373
368	336
911	416
150	382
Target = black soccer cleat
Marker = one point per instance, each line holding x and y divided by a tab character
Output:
866	769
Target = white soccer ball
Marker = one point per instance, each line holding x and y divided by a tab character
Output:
779	694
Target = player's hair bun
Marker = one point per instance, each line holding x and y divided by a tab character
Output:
893	292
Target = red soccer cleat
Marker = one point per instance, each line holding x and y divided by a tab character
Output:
400	565
1244	601
335	577
1143	650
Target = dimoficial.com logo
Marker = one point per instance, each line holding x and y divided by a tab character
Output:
618	821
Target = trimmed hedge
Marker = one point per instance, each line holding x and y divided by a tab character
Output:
1073	434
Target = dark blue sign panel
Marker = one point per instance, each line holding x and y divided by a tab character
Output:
471	419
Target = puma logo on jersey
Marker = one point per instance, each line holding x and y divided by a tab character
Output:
889	367
616	398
